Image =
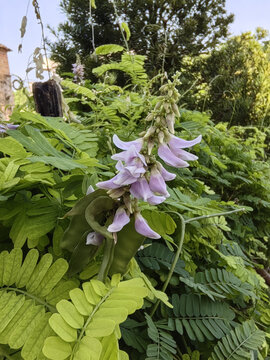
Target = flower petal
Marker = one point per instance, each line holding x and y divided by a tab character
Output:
140	189
108	184
178	143
124	177
143	228
124	145
167	176
90	190
184	155
156	200
129	156
120	220
169	158
94	238
157	183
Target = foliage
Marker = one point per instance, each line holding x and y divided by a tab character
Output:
211	303
190	28
232	81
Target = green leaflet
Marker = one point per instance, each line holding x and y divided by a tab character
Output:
239	343
26	299
89	309
125	27
108	49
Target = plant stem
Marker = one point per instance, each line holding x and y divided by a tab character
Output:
120	27
213	215
178	252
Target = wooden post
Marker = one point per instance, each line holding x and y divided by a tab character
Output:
47	97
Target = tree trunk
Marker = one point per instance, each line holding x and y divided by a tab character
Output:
47	97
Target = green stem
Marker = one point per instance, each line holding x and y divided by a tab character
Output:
178	252
107	260
38	300
213	215
88	322
119	24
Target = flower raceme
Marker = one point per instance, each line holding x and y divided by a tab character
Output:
142	179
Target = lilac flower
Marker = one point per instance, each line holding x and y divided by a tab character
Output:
120	220
143	228
125	145
78	71
130	156
132	168
167	176
165	153
172	153
157	182
94	238
178	143
141	190
7	126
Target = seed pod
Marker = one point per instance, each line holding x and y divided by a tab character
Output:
128	243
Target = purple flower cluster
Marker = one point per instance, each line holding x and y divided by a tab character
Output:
144	181
78	71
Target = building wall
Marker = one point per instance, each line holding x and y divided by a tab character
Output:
6	96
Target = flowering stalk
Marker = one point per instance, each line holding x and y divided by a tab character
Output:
140	175
78	70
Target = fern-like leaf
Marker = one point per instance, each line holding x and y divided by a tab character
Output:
241	343
219	283
164	346
90	321
201	317
29	290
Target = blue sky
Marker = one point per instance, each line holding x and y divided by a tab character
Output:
249	14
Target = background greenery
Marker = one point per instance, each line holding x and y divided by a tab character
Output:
216	305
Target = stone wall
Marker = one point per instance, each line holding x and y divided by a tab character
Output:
6	96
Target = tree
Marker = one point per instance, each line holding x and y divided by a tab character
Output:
164	30
232	81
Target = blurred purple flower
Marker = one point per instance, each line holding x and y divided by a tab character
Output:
94	238
78	71
120	220
143	228
7	126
